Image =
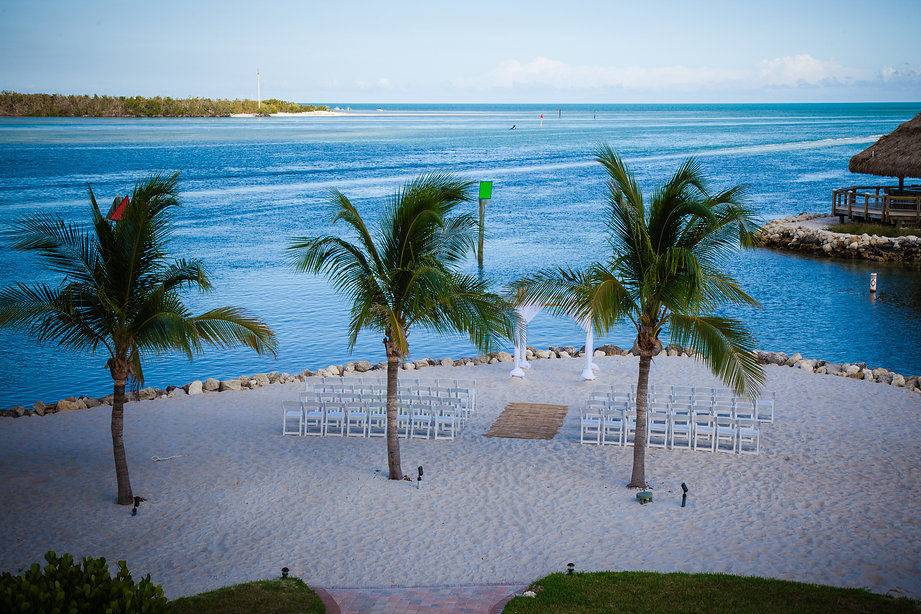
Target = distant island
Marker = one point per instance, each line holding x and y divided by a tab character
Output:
14	104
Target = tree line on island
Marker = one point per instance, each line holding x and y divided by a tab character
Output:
121	291
14	104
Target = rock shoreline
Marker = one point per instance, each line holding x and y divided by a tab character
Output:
791	234
211	385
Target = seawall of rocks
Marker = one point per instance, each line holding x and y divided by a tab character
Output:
248	382
790	233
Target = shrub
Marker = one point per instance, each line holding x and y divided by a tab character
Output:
70	588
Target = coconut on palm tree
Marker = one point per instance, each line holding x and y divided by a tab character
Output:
666	275
120	294
404	272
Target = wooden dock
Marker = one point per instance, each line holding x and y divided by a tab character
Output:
878	203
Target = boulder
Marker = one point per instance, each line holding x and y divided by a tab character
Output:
853	371
91	402
806	365
230	384
194	387
898	380
867	375
306	373
363	366
598	354
542	353
261	379
146	394
564	354
18	411
211	385
504	357
39	408
421	364
176	392
70	404
794	359
493	361
447	362
409	366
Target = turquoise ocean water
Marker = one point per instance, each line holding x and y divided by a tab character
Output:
249	184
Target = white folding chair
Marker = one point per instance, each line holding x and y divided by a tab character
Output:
612	426
764	409
630	426
590	425
445	423
356	420
657	427
726	430
680	428
704	436
333	418
748	437
292	422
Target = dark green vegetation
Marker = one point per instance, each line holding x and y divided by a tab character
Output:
282	596
666	274
404	272
120	294
640	592
65	586
882	230
57	105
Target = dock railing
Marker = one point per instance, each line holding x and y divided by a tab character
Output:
882	203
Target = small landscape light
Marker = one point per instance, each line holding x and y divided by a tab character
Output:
419	479
569	568
684	494
284	572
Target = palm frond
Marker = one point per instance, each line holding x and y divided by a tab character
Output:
725	345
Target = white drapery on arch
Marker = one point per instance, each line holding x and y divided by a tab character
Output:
588	372
526	313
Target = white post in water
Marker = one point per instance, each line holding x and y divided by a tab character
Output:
258	90
872	283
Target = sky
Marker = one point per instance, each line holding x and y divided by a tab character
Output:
566	51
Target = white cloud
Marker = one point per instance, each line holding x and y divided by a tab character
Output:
547	72
790	71
803	69
905	71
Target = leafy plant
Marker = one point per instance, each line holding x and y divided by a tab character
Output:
63	586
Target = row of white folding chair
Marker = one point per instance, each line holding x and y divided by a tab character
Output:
374	387
421	417
718	429
691	396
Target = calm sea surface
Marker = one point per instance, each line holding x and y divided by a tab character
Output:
249	184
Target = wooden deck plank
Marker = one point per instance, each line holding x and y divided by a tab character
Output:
528	421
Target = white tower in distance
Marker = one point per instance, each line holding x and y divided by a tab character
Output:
258	90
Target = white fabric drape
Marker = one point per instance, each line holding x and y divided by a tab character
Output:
526	313
588	372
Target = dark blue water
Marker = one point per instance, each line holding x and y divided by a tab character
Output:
250	184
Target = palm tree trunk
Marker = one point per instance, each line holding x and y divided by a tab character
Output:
125	496
393	441
638	479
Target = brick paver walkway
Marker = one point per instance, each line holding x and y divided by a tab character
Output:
422	600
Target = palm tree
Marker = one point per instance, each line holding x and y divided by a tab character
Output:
665	276
121	294
405	273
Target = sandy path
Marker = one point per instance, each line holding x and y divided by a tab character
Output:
833	498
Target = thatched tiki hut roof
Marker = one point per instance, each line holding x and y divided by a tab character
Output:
898	154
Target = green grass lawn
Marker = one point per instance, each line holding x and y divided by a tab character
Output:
640	592
881	230
290	595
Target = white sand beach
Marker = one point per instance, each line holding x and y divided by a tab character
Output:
834	496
